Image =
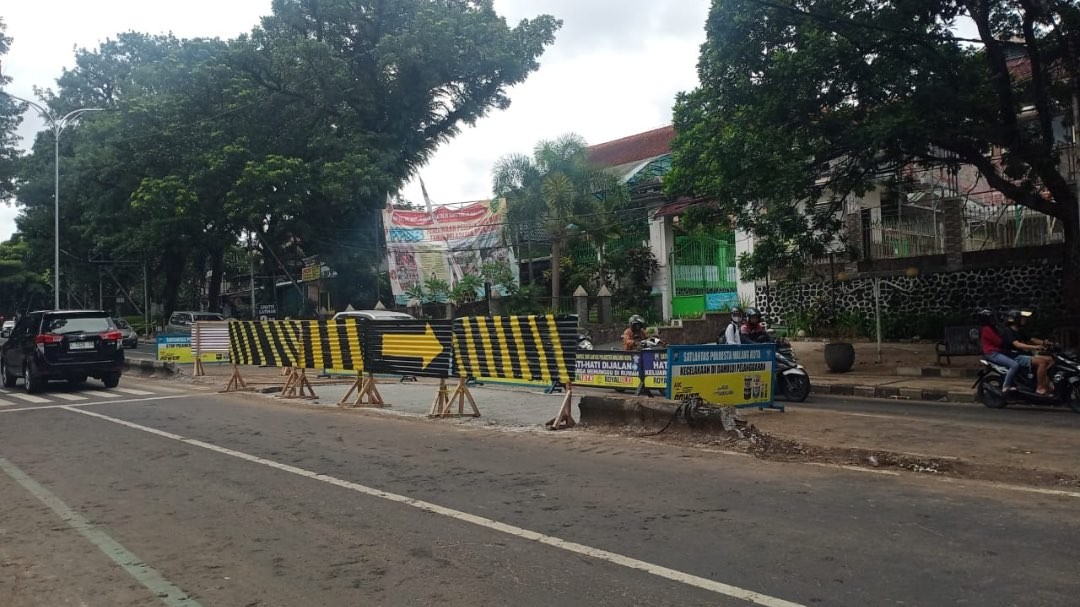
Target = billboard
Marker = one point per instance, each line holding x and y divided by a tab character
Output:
446	244
732	375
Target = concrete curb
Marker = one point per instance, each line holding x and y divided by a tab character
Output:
959	372
892	393
151	368
638	412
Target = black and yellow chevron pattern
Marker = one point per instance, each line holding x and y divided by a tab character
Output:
301	344
530	348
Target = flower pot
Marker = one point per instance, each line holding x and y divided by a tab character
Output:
839	356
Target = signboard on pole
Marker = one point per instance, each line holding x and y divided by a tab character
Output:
726	375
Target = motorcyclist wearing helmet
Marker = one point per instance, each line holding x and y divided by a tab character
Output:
994	349
733	333
753	330
633	335
1024	352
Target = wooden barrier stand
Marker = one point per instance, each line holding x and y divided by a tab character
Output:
564	419
367	393
298	386
444	401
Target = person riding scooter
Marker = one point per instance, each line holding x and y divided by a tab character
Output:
635	334
1024	353
994	349
753	330
733	333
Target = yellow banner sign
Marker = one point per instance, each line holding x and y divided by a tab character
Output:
722	375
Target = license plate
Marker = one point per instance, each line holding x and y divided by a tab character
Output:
82	345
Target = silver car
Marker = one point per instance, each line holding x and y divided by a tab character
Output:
180	323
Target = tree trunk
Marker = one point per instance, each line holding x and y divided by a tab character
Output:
172	267
556	273
1070	263
217	273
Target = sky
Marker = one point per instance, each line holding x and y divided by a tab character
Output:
613	71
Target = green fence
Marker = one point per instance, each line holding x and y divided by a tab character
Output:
703	276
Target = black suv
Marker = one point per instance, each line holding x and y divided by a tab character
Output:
62	344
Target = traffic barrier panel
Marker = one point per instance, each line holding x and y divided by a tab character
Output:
266	343
524	348
418	348
334	344
209	342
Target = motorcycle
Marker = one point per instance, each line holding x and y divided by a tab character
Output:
584	342
792	381
1064	375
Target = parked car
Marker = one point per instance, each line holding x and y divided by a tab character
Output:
70	345
5	330
180	323
130	338
373	315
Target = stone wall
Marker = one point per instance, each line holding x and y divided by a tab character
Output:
949	294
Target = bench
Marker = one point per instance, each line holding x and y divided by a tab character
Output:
959	341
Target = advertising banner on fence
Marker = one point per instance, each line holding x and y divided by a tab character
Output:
615	369
446	244
739	376
177	349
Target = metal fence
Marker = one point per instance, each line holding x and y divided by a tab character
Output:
896	238
1008	226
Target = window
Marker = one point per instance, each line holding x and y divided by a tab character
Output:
69	324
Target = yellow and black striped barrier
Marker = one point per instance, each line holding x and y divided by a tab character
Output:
521	348
298	344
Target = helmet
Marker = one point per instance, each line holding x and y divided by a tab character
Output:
753	313
985	317
1012	317
735	311
637	320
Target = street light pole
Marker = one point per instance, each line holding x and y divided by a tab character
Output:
58	126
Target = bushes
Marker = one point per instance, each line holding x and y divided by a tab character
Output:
819	322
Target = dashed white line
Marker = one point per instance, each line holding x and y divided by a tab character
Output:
5	403
30	398
69	397
132	391
106	394
91	403
596	553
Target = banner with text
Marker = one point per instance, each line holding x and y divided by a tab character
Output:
446	244
733	375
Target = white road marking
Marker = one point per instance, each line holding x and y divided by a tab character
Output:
165	590
89	404
596	553
158	388
4	403
132	391
30	398
106	394
64	396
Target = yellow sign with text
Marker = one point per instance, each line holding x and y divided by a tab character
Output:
177	349
736	376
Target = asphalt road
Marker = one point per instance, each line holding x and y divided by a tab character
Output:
186	498
1023	415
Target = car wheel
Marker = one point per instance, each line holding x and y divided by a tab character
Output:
9	379
30	382
111	380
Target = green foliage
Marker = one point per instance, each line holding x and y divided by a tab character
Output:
803	105
466	290
10	118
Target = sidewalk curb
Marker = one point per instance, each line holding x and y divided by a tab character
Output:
151	368
886	392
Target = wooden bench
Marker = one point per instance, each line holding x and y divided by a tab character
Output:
959	341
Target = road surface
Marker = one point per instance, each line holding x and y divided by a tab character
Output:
162	494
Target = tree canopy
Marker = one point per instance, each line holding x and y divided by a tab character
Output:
813	100
288	137
10	118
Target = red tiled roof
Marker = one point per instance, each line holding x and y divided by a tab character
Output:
649	144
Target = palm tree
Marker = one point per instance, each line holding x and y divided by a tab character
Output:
557	190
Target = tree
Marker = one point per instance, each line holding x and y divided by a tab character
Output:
811	102
556	189
10	117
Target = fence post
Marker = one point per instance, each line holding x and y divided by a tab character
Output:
495	303
954	234
607	316
581	301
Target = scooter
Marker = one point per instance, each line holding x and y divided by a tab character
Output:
584	342
792	380
1064	375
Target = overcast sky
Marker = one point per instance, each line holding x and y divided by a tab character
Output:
613	71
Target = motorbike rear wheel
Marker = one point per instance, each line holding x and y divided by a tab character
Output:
991	394
1074	399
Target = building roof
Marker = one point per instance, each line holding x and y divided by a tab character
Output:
635	148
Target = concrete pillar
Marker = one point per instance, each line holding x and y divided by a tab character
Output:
953	218
744	243
581	300
607	316
495	304
662	242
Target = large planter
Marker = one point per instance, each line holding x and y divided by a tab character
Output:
839	356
